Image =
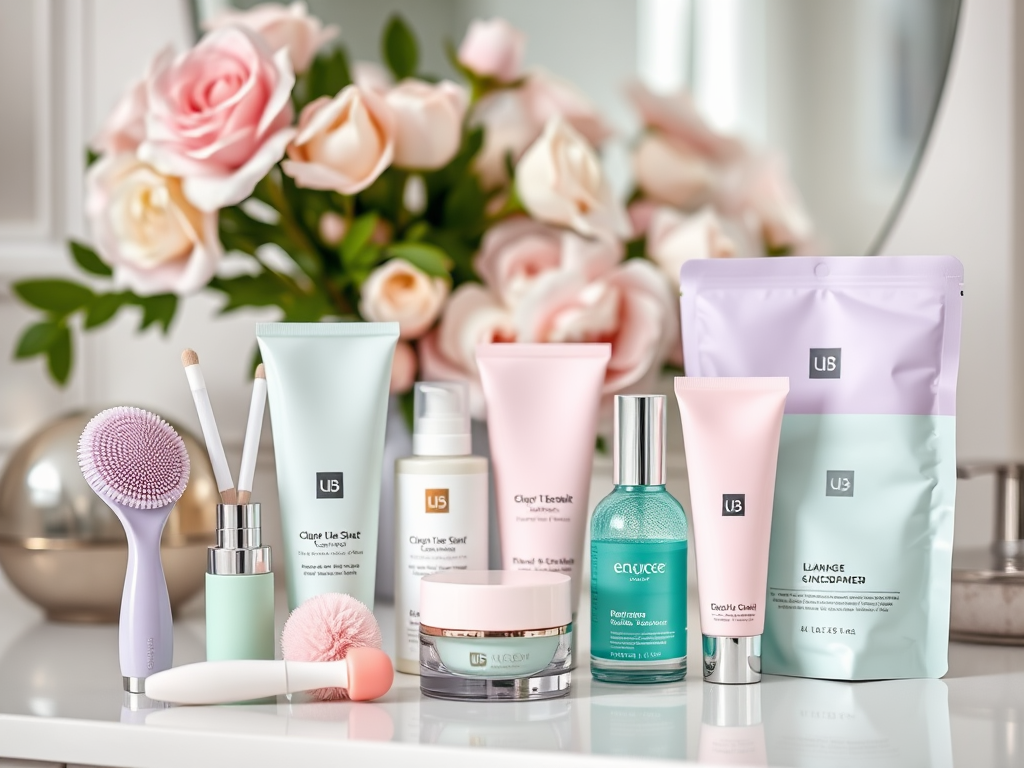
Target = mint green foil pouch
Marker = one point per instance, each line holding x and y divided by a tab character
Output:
862	527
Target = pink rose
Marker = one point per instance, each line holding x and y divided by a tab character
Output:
494	49
547	96
761	192
428	122
219	116
513	253
288	27
333	227
630	307
472	316
147	230
509	129
343	143
399	292
676	118
674	238
673	174
560	181
403	368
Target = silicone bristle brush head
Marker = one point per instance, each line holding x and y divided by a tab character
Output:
326	628
133	457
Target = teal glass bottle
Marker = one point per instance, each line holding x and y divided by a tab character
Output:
638	557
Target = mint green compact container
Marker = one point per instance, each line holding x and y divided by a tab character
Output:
239	588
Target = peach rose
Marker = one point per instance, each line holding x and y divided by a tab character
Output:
428	122
398	291
144	226
288	27
371	76
513	253
762	193
630	307
494	49
403	368
219	116
547	96
674	238
560	182
343	143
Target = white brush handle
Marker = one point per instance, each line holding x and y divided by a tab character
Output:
223	682
214	446
247	471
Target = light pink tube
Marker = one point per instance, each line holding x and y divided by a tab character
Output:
542	406
731	430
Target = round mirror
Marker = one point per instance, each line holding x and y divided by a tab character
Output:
842	92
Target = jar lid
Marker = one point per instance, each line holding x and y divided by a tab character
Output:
495	601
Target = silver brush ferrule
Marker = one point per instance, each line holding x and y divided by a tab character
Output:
240	549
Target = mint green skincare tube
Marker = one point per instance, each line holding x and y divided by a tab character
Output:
328	389
240	616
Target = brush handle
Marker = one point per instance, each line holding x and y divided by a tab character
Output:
223	682
145	633
251	446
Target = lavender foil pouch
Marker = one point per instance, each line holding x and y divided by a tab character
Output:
862	528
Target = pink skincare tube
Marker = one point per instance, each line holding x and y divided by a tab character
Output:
731	430
542	406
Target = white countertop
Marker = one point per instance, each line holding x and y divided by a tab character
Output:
61	700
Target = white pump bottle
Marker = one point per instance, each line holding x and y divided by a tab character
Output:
441	506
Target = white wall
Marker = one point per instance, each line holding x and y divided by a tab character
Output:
963	203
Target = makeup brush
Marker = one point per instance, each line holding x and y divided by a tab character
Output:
214	447
137	464
251	447
331	645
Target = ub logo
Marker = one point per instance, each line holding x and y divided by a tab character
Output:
826	363
477	659
734	504
330	485
838	483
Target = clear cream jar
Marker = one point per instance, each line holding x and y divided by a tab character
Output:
495	635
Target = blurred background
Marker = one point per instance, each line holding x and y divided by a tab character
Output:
898	120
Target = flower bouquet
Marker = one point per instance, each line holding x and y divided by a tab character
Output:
263	165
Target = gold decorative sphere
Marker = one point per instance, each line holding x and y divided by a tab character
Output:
65	550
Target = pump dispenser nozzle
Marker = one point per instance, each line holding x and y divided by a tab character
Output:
441	419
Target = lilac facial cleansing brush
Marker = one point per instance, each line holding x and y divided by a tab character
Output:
138	465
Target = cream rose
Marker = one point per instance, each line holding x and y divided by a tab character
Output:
281	26
125	126
513	253
508	130
397	291
147	230
219	116
493	48
428	122
560	181
674	238
762	193
547	96
343	143
675	117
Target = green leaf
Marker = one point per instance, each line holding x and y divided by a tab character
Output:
358	236
464	207
262	290
88	260
417	231
426	257
58	356
400	49
91	156
102	308
37	339
158	309
328	75
61	297
637	248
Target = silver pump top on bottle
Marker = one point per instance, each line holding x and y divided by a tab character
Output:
240	549
638	450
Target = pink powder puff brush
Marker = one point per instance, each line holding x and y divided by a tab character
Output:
137	464
331	645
